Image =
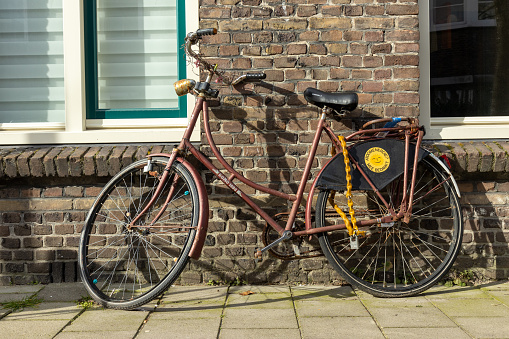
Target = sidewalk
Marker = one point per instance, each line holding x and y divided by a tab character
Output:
270	312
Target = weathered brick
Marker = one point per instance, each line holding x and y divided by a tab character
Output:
10	164
329	23
101	160
49	161
306	10
217	13
402	60
407	9
32	242
486	157
23	162
373	23
11	243
241	25
283	24
62	162
285	62
76	161
499	156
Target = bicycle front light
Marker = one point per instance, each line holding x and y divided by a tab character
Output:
184	86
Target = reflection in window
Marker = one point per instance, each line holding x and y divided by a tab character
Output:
448	11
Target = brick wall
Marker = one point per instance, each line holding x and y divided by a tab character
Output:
265	129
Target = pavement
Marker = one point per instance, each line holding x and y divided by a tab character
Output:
273	311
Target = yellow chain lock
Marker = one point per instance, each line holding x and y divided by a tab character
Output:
353	230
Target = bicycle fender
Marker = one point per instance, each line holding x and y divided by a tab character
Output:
203	219
448	171
382	161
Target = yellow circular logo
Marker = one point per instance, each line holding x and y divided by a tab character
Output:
377	159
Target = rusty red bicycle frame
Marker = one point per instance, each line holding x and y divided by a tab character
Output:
186	147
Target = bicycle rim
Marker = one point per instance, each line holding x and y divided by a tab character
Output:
396	259
124	266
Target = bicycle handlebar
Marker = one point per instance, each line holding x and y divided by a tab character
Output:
206	31
192	38
249	77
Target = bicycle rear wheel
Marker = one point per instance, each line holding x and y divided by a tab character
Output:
396	259
125	267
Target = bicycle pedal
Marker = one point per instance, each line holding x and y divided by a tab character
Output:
258	254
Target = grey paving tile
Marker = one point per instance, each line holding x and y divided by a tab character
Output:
181	328
94	335
339	327
272	300
31	329
47	311
485	327
500	295
426	333
102	320
259	318
340	308
274	333
264	289
324	293
6	297
472	308
31	289
496	285
188	311
415	312
194	293
442	292
63	292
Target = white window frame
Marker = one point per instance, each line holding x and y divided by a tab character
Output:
77	129
496	127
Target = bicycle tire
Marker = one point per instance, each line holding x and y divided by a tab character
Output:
124	268
397	260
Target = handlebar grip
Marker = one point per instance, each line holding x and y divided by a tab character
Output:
206	31
256	76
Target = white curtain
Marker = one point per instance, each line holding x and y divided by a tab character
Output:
31	61
137	50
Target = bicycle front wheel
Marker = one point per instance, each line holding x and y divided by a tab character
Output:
124	265
396	259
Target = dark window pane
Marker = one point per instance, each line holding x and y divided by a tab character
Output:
468	55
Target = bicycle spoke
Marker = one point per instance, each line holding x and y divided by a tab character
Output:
128	261
396	257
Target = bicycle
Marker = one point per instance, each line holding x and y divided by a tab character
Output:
387	212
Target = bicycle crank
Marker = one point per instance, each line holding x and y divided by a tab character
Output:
297	247
287	235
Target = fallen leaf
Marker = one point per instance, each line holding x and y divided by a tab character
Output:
247	293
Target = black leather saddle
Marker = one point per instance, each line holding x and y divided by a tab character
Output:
337	101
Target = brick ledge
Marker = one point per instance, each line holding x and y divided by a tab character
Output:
474	156
71	161
107	160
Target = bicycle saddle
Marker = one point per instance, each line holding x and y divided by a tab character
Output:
337	101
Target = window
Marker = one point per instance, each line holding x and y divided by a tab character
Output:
48	47
464	55
31	61
133	52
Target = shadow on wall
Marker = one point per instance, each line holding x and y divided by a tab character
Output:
485	241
